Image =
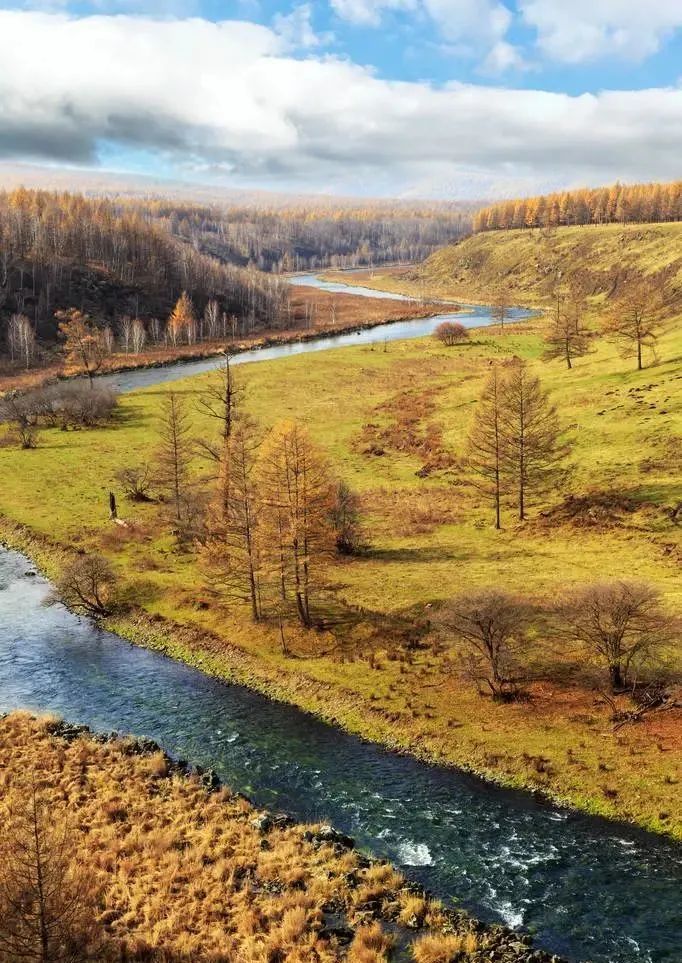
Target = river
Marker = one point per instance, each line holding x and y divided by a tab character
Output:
470	315
586	888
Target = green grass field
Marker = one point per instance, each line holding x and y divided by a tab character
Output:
381	416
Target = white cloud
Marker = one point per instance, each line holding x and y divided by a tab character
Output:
503	56
482	21
462	22
369	12
584	30
231	97
296	28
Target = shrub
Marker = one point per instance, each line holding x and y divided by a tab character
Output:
451	333
345	517
87	586
136	483
17	411
620	625
72	405
491	628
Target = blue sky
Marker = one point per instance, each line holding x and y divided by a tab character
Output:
411	97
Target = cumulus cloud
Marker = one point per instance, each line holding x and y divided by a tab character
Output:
231	97
585	30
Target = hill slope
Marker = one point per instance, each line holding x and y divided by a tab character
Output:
524	261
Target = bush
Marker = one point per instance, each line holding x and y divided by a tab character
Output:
136	483
451	332
73	405
621	625
87	586
345	517
17	412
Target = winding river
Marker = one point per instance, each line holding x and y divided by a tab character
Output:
587	888
470	315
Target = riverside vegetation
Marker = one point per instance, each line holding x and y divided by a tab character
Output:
375	641
110	851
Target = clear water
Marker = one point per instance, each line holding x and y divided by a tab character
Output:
588	889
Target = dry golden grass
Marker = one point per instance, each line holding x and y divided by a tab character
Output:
189	874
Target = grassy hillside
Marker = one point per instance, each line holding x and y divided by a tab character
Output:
157	867
382	415
524	261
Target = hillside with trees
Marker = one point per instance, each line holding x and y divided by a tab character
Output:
63	251
126	263
618	204
528	267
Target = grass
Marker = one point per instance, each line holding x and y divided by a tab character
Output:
523	261
181	873
385	418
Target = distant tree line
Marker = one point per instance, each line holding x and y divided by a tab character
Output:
124	259
306	236
619	204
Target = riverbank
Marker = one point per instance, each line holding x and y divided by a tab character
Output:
328	316
287	680
179	867
425	527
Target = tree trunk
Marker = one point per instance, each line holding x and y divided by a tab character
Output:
616	675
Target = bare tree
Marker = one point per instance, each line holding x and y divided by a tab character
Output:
501	304
19	411
621	625
530	427
174	455
125	327
491	628
47	900
155	330
566	340
108	340
86	585
219	400
297	493
138	335
21	339
212	319
486	444
232	546
451	333
633	320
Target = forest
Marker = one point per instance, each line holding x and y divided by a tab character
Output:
132	259
618	204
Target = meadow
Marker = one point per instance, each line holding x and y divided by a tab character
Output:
393	421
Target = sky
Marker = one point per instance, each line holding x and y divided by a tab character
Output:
455	99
